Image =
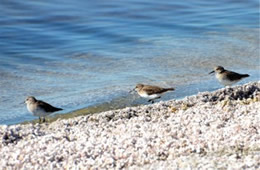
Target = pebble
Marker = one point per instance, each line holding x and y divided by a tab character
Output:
210	130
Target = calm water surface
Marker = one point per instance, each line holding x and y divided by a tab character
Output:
82	53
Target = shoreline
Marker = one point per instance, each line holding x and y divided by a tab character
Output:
218	129
119	102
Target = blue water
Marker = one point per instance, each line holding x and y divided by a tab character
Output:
81	53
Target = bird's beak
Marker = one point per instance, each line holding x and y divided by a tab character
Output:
22	102
211	72
131	91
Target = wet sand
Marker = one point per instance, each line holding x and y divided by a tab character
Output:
217	129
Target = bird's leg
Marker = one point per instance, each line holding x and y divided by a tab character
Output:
151	100
43	119
39	119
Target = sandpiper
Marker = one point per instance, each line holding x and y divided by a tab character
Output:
151	92
39	108
226	77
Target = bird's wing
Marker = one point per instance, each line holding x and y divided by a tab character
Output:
153	89
47	107
234	76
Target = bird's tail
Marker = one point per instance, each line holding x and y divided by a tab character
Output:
58	109
245	75
169	89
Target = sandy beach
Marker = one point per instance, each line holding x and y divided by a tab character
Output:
209	130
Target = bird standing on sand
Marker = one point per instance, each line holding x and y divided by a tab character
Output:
226	77
151	92
40	108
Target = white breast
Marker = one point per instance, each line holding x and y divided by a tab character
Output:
37	111
153	96
30	108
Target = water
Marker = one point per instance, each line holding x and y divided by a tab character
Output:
83	53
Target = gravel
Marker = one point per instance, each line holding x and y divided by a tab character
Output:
210	130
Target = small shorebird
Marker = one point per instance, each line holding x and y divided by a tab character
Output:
226	77
39	108
151	92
